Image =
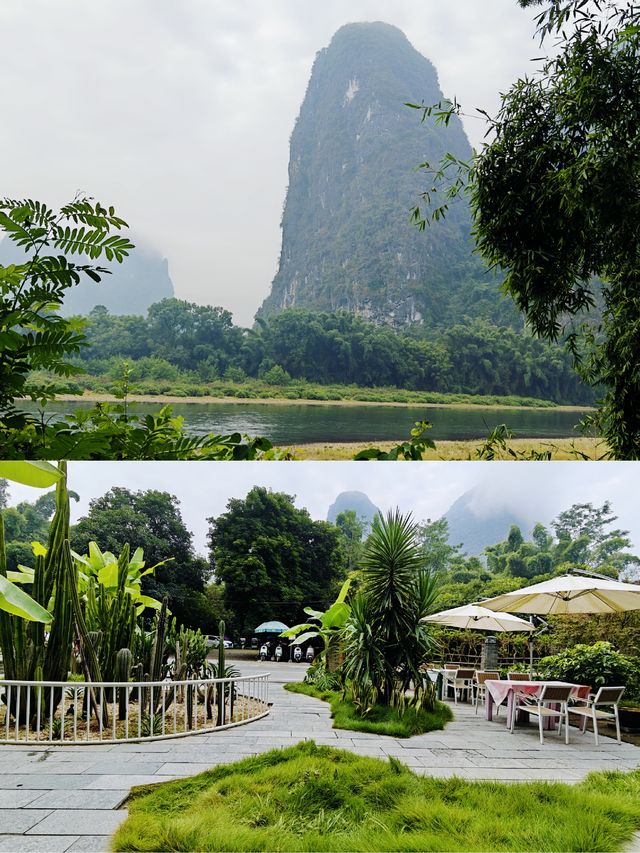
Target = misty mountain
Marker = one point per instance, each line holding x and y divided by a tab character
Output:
357	502
132	286
347	242
474	525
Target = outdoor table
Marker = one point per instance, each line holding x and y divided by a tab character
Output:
435	675
498	691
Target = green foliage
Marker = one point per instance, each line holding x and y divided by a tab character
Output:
299	353
312	797
385	640
318	677
327	625
152	520
599	665
272	558
32	333
555	200
110	431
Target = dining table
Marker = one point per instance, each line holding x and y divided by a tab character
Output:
497	691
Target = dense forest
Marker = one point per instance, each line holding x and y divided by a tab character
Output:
179	340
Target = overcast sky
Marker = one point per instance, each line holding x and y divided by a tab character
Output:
540	489
179	112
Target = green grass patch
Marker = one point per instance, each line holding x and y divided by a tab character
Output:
380	720
319	798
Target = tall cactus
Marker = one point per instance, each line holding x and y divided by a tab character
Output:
124	661
221	672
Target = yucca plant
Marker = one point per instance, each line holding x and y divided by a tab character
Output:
386	642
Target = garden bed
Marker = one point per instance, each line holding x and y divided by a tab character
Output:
379	720
319	798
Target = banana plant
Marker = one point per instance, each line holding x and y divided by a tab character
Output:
114	576
327	625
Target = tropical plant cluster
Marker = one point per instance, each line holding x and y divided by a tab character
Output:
85	615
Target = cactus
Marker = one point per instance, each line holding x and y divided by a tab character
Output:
221	670
124	660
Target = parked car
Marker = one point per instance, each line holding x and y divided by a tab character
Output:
213	641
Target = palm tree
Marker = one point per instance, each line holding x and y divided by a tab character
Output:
385	641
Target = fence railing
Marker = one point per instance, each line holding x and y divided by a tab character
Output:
77	712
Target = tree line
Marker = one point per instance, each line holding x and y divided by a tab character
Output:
268	559
181	340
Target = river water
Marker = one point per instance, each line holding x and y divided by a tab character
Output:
297	423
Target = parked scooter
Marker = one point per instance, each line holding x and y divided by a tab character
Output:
278	653
297	654
264	652
310	654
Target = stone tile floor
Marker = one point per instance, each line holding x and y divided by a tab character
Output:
68	798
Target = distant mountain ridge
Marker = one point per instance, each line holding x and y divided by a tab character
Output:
474	525
135	284
357	502
347	242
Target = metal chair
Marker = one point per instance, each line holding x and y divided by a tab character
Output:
519	676
480	691
462	680
609	696
539	707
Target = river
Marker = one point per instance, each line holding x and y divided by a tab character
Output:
297	423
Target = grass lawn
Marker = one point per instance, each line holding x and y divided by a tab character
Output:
319	798
380	720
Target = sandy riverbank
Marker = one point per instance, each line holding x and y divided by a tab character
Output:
561	448
164	399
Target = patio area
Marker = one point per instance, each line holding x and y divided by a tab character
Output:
59	799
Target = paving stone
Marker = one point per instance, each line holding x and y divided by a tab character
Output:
91	844
46	781
19	820
81	799
183	769
35	843
80	822
17	798
118	782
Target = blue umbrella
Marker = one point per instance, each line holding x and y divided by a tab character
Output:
271	628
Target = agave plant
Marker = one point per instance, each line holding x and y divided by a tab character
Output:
385	641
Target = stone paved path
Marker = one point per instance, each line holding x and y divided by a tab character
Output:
67	798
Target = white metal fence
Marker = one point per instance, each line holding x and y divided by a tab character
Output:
77	712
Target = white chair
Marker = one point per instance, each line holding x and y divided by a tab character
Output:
550	694
480	689
591	709
462	681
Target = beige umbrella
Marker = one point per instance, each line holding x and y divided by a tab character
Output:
569	594
478	618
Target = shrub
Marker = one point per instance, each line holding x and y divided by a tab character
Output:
599	665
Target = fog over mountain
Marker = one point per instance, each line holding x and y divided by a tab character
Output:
347	240
130	288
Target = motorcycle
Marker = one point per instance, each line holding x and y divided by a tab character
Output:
264	652
310	655
297	654
278	653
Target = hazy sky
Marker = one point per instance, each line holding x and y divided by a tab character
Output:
540	489
179	111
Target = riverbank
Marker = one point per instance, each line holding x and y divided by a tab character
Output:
446	451
168	399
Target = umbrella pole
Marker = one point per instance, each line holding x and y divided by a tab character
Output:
531	651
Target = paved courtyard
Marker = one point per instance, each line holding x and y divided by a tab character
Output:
68	798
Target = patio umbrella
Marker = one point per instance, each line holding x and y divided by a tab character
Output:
569	594
478	618
274	627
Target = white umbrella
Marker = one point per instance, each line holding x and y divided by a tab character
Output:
478	618
569	594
